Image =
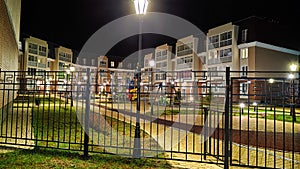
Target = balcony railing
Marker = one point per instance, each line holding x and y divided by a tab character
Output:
160	58
32	63
183	66
42	65
213	61
226	59
185	52
34	51
65	59
42	53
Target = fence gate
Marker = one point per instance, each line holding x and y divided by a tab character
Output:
264	120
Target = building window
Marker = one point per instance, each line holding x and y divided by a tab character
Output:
84	61
32	58
244	70
244	88
31	71
225	55
65	57
225	52
244	35
102	63
161	65
42	50
184	49
213	42
112	64
33	48
185	62
48	64
244	53
226	39
93	62
161	55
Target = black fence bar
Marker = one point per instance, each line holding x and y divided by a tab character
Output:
226	118
87	113
226	146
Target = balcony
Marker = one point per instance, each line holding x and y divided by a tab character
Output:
65	59
213	61
32	63
226	59
33	51
184	52
42	53
160	58
41	65
184	66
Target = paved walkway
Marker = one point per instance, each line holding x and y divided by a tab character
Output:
261	128
16	127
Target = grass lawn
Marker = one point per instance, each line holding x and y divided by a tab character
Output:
45	158
57	126
268	114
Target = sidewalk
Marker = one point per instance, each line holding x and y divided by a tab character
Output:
16	128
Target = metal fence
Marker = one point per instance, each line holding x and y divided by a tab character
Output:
220	117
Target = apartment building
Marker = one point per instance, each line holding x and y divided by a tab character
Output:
10	12
247	45
103	76
147	76
163	64
186	61
35	61
63	62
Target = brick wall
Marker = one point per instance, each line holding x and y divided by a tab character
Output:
8	52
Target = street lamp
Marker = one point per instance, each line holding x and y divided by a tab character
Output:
141	8
271	81
242	106
293	68
254	106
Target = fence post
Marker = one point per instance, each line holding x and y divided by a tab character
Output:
226	146
87	114
205	131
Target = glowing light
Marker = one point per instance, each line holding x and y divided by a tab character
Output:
293	67
141	6
242	105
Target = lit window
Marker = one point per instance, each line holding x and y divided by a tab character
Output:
112	64
244	88
244	53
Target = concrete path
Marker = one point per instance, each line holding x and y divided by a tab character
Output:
16	127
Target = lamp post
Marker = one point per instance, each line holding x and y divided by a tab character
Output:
255	108
271	81
141	8
242	106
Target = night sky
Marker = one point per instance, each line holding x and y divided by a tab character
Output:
71	22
